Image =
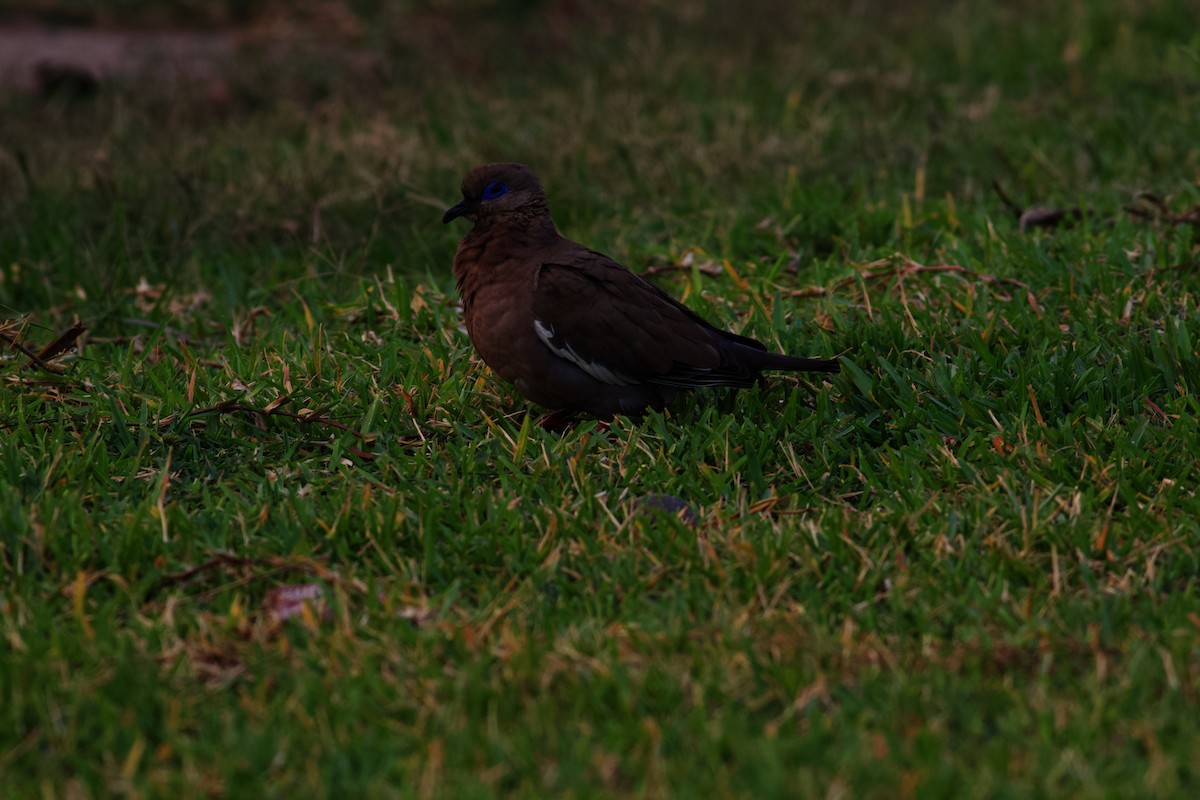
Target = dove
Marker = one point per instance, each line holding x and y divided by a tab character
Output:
573	330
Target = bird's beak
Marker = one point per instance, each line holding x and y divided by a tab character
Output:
463	208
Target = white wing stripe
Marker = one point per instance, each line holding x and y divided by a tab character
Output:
545	332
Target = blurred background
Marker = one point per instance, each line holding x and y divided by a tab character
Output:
241	144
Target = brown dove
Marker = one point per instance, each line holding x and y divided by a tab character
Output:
571	328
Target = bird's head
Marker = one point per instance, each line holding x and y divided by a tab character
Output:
497	191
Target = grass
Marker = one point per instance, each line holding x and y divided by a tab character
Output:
964	567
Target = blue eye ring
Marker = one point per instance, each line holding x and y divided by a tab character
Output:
494	190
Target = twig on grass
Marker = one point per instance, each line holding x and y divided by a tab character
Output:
221	561
42	359
1016	210
1162	213
873	272
1036	216
15	343
806	292
273	409
1146	206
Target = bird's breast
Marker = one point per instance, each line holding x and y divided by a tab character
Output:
498	312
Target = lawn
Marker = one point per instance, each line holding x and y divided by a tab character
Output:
966	566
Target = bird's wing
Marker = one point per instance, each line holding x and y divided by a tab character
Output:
622	330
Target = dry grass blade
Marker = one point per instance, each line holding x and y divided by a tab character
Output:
65	341
710	268
42	359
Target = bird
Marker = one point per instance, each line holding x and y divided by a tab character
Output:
573	330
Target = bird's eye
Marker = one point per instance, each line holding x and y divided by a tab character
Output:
494	190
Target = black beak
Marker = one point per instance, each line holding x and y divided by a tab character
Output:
460	209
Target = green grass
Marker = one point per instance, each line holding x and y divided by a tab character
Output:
964	567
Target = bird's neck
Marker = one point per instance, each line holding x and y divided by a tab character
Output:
530	223
491	241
